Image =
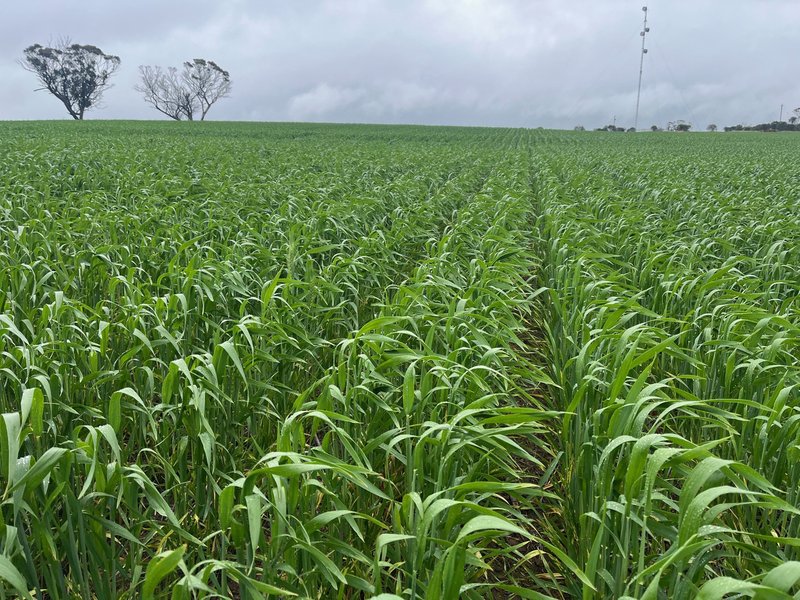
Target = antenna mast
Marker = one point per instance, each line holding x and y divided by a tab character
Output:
643	33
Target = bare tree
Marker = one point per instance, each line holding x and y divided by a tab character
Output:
166	91
207	81
75	74
194	90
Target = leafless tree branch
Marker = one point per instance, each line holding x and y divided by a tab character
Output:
194	90
166	92
208	81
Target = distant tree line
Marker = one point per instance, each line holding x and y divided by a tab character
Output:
671	126
792	124
78	75
679	125
612	129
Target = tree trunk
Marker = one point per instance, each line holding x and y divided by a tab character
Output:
71	112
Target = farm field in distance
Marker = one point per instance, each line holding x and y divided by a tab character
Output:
249	360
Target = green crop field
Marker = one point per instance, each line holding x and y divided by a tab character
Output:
321	361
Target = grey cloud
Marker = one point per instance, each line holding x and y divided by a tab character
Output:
477	62
323	100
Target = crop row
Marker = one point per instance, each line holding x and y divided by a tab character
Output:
672	325
263	366
321	361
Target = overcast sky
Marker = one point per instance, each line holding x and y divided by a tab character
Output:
529	63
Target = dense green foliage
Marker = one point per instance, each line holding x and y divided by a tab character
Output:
674	325
325	361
